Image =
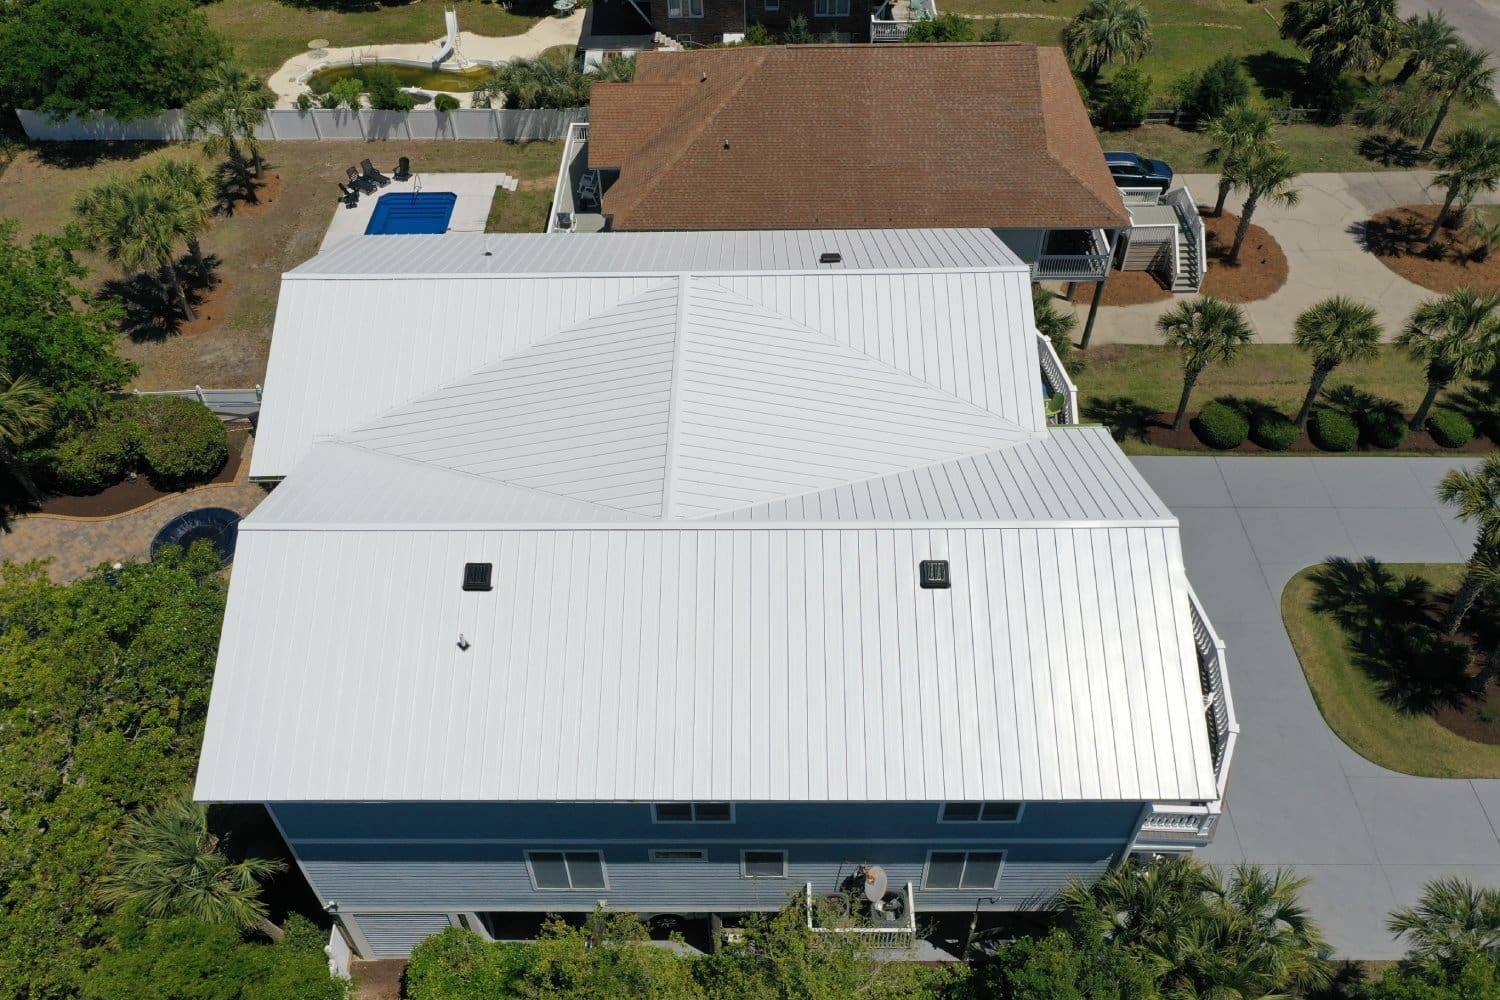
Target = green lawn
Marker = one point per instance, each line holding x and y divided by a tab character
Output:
1350	699
523	210
266	33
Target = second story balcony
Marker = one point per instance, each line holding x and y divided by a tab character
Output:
891	20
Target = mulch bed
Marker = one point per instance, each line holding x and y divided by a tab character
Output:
1397	238
125	497
267	190
1157	430
1129	288
1262	267
1478	719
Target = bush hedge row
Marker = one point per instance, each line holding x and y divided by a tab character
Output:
175	440
1449	428
1222	426
1333	430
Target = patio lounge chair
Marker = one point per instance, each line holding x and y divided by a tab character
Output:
403	170
348	196
359	183
372	174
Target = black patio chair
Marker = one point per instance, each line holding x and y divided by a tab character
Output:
359	183
372	174
349	197
403	170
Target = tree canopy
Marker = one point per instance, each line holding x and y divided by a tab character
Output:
128	60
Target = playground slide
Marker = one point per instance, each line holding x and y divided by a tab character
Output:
449	45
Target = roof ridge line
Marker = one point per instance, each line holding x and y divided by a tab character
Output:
674	392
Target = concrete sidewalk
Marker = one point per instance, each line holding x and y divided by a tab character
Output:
1368	838
1321	239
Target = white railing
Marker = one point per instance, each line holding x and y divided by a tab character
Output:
1056	377
1218	704
1191	821
1074	266
889	31
1186	209
578	135
231	404
903	935
1140	196
1170	232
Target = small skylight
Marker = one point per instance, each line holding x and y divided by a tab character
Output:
935	574
477	576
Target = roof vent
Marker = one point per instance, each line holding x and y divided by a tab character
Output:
935	574
832	257
477	576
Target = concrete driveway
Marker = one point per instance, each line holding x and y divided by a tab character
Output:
1320	236
1368	838
1478	21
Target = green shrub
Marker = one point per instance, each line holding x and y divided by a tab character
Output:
1333	430
99	456
384	90
304	102
996	32
1220	425
943	28
759	34
182	441
1126	100
445	102
1383	425
1221	86
1450	428
797	32
1273	431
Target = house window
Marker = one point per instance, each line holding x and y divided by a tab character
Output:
980	812
684	8
567	869
773	4
963	869
763	864
674	855
693	812
831	8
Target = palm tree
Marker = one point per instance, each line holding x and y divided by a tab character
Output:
1454	337
1461	74
195	192
1405	109
1239	128
1261	171
232	106
1343	35
168	864
1106	31
1475	497
25	411
1453	922
1205	331
136	225
1469	163
1287	945
1424	39
1333	331
1142	908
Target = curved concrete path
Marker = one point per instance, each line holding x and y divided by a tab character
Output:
1368	838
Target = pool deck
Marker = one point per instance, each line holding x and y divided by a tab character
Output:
475	194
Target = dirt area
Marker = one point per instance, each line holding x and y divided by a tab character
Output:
1262	267
378	980
1129	288
1398	239
247	247
1156	429
127	496
1477	719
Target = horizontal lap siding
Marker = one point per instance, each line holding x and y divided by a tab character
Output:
394	935
494	877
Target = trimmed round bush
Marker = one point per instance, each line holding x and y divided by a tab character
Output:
1332	430
182	441
98	457
1449	428
1274	432
1383	426
445	102
1221	426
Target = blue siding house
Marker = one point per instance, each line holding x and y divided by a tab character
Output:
692	575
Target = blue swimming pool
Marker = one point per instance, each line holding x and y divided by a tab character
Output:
412	212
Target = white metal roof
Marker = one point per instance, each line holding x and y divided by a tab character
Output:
741	663
353	341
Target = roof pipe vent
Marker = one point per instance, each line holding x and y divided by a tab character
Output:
705	77
832	257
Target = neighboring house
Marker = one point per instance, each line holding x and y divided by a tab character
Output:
690	573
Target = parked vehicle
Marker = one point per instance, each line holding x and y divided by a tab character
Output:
1134	170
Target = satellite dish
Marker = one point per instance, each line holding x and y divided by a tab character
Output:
876	883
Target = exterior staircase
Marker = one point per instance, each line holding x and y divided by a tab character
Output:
508	182
1189	278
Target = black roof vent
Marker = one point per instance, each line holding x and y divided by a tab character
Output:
832	257
477	576
935	574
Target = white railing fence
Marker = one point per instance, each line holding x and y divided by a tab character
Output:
1155	236
1194	821
1056	377
1218	704
902	935
231	404
1186	209
291	124
578	134
1140	196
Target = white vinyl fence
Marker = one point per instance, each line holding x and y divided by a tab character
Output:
231	404
292	124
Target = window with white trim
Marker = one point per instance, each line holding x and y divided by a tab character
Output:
979	812
763	864
567	869
693	812
675	855
773	4
684	8
831	8
963	869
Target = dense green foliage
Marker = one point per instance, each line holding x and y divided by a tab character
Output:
183	959
1383	425
1126	99
129	60
1105	32
549	81
1210	92
1273	431
51	331
384	90
1476	979
1061	966
1450	428
1333	430
943	28
445	102
97	458
176	440
1221	425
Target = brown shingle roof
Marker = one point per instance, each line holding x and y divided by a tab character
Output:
851	136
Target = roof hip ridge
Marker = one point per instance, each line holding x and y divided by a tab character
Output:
674	400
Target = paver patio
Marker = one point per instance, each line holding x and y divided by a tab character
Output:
1369	838
1323	251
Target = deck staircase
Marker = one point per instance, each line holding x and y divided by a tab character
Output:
1166	237
1191	275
